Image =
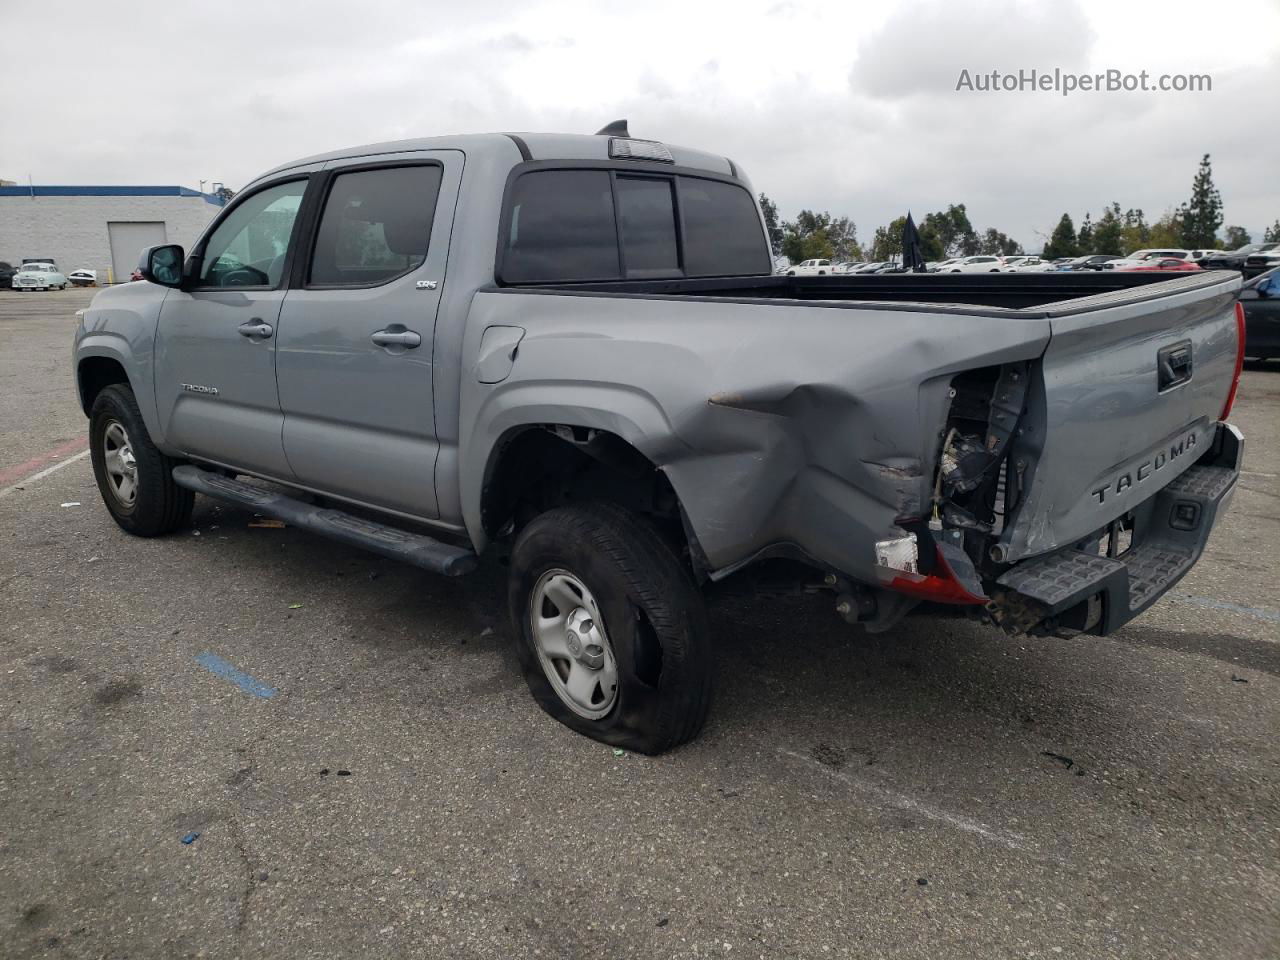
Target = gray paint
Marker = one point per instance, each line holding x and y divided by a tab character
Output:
811	423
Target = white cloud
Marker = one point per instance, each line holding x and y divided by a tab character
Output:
844	107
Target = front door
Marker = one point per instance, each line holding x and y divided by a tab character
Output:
354	351
216	341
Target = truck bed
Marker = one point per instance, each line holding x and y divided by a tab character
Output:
1011	291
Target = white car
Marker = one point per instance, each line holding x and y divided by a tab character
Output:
1159	252
811	268
83	278
979	264
39	276
1028	265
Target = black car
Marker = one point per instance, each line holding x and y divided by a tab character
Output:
6	274
1258	263
1235	260
1261	300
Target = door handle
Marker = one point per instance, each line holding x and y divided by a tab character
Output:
392	337
255	328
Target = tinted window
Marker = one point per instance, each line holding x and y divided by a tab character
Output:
562	228
375	226
248	247
647	212
723	235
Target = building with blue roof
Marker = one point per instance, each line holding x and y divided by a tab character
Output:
99	227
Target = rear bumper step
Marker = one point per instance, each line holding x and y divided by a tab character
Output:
414	548
1170	532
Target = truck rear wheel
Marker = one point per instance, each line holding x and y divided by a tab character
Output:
134	477
610	631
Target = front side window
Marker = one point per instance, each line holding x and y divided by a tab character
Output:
247	249
376	225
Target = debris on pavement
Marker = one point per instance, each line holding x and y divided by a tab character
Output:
1235	679
1065	761
72	503
266	523
190	838
619	752
295	606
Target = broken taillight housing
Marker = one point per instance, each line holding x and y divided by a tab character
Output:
1235	380
898	568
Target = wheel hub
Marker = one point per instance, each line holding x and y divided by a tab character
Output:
571	644
120	463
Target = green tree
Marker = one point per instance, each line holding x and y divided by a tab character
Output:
953	231
1167	231
995	243
887	243
1084	241
1135	234
805	237
771	223
1272	234
931	243
1062	243
1236	237
1107	232
1202	214
843	234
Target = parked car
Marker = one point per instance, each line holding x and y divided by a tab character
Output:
810	268
7	271
979	264
1157	263
624	440
1166	253
83	278
943	264
1235	260
1093	261
35	275
1261	301
1261	261
1027	265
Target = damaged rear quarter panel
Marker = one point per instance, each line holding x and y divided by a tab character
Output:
809	423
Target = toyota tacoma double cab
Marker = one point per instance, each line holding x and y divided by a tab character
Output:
572	349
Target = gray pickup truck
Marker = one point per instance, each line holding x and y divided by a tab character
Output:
571	350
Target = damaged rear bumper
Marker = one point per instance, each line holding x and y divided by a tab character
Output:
1081	589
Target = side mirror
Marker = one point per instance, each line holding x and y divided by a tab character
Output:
162	264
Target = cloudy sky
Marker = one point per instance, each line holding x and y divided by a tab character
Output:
849	107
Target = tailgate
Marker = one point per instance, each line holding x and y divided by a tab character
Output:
1126	399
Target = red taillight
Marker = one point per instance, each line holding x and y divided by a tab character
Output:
1235	380
941	586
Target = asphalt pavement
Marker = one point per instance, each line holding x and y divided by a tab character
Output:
241	741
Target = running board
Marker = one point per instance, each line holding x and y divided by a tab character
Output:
414	548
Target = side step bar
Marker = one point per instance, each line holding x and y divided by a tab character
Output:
414	548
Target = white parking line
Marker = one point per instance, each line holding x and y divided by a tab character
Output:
901	801
43	473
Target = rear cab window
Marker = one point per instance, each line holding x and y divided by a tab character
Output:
583	224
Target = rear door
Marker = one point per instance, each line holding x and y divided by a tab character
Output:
215	376
354	354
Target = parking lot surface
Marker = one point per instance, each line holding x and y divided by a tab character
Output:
243	741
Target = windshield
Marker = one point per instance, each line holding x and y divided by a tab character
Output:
38	267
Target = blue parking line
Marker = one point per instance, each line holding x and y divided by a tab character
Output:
215	664
1259	612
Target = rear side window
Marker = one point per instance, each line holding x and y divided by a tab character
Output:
562	228
584	224
376	226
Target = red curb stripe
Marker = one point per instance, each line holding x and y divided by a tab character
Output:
16	473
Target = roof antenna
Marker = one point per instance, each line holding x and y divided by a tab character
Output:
616	129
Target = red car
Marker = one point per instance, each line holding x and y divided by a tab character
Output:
1164	263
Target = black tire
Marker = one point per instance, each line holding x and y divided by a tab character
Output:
159	506
653	616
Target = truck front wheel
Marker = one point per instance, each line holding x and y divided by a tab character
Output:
610	630
134	477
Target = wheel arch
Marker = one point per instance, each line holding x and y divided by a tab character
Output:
534	467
